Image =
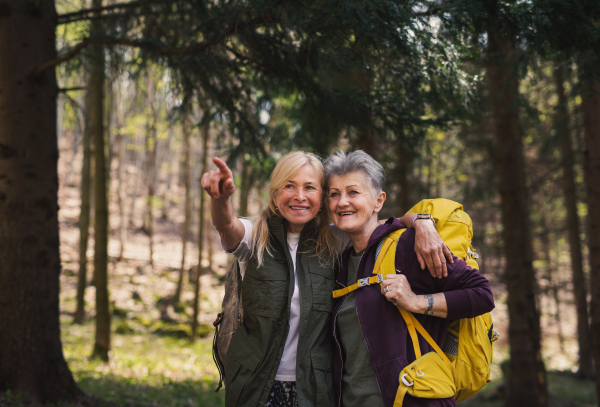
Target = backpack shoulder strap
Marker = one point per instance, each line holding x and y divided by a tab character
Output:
389	268
384	265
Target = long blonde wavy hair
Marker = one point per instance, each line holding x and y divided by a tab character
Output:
285	169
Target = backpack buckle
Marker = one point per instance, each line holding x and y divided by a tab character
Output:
363	282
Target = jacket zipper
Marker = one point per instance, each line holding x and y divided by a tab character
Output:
339	348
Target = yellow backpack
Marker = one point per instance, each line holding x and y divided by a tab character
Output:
463	367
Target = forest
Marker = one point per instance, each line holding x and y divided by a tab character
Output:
111	272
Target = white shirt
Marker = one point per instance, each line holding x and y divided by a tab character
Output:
287	367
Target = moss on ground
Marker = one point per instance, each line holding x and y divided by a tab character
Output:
145	369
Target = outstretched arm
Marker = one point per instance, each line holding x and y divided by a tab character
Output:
220	186
429	246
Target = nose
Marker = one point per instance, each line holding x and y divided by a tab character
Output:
300	195
343	201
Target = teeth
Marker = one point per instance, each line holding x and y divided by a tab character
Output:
298	207
346	213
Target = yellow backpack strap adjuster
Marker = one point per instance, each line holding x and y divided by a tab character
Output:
378	279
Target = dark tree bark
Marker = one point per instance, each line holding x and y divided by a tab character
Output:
402	167
584	336
591	123
527	379
247	178
205	133
102	344
84	216
31	358
552	287
187	129
150	168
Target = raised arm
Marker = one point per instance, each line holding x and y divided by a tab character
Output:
220	186
429	246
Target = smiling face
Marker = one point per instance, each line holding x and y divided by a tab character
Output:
298	200
352	206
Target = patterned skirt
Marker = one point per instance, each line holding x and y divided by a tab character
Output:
283	394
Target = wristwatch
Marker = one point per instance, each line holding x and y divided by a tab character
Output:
423	216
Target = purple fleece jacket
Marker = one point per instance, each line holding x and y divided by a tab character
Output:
467	292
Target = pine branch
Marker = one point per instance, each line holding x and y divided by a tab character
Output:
150	46
81	14
432	11
246	58
107	16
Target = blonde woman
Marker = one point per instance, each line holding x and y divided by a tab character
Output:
282	353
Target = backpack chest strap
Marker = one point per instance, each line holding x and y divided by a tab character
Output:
360	283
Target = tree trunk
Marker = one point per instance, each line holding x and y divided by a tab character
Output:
591	123
205	132
150	168
122	185
138	164
584	336
31	359
552	285
247	182
84	216
402	169
527	379
96	89
187	129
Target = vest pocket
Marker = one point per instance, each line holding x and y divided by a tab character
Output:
322	367
323	284
242	361
264	289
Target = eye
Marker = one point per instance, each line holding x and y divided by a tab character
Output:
311	188
353	192
289	186
334	194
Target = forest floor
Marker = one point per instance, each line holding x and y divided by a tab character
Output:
153	363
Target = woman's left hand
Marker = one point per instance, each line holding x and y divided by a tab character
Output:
396	289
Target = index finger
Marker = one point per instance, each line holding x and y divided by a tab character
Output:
223	168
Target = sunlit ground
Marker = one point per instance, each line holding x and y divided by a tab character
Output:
145	369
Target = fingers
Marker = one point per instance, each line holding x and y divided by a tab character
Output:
218	183
395	288
430	264
439	262
223	168
420	259
215	180
448	254
206	185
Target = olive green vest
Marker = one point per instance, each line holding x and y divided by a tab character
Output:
257	345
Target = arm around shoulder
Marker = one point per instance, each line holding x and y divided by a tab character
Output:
468	293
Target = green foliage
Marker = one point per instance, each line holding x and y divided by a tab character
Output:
145	369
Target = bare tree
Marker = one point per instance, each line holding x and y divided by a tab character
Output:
102	343
527	379
205	135
584	338
84	216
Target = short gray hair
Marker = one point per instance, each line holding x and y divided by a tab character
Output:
340	163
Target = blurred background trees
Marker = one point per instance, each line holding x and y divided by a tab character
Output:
492	103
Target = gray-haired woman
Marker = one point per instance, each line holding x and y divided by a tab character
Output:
373	344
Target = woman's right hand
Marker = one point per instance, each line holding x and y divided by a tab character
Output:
218	183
